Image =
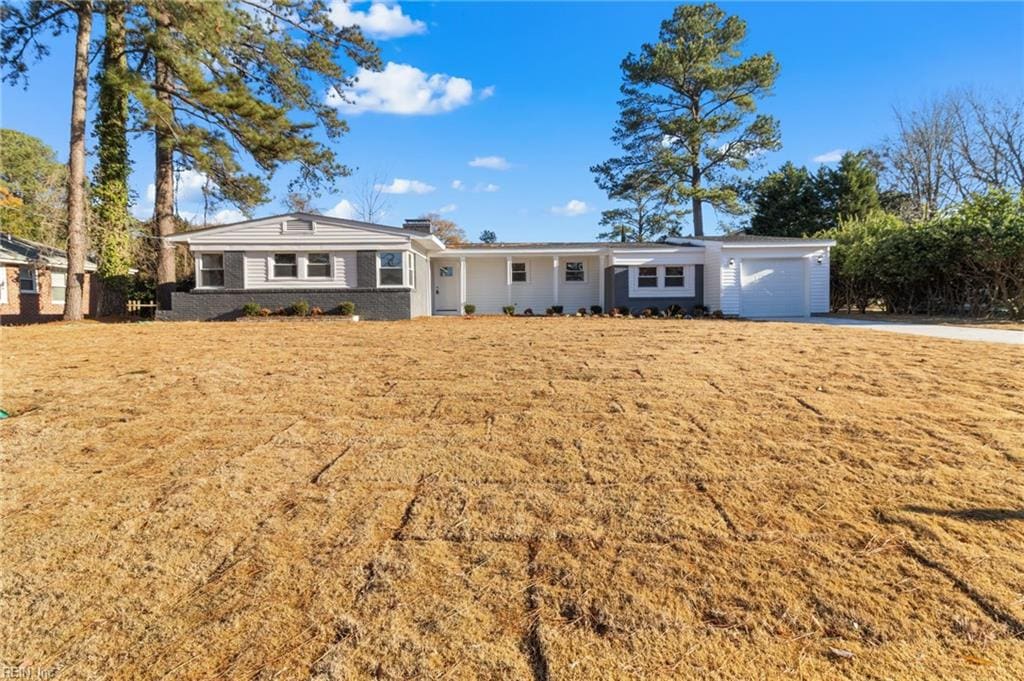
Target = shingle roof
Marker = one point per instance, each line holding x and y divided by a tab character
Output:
753	238
15	248
566	244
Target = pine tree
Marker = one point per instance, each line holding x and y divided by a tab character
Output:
688	108
23	27
647	211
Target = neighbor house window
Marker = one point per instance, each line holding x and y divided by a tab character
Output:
3	284
389	268
674	277
647	277
58	285
286	266
519	273
27	279
211	270
574	272
318	265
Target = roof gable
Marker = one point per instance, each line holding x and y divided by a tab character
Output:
289	228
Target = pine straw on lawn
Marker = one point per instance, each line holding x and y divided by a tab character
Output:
510	498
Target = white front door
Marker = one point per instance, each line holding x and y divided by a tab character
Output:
773	288
445	276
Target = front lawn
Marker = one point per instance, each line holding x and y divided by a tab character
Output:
507	498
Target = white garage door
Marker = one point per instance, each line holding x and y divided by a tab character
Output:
772	288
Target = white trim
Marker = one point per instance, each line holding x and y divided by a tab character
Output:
271	263
330	266
197	267
35	280
462	286
526	263
402	267
554	278
565	273
687	290
3	285
600	280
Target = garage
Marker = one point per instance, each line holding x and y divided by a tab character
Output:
773	287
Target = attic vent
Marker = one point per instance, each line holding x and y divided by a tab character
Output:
298	227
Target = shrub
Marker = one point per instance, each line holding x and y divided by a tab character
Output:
528	312
316	312
280	312
300	308
264	311
596	309
717	314
673	310
346	308
251	309
470	308
556	309
582	312
510	310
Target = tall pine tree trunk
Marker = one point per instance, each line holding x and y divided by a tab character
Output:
76	167
698	205
166	280
113	222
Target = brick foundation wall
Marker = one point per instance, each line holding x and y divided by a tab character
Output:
32	308
227	304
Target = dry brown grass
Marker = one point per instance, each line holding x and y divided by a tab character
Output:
508	498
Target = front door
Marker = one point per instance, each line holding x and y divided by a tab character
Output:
445	277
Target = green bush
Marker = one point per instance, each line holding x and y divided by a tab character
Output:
596	309
557	309
469	308
300	308
347	308
970	261
251	309
510	310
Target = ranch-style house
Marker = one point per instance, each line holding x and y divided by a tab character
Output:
405	272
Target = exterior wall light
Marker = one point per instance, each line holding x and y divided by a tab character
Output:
732	262
820	259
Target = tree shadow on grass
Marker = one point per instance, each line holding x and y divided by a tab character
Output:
973	514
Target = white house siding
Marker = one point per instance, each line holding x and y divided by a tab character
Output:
729	295
820	282
485	284
269	236
343	271
422	294
573	296
713	276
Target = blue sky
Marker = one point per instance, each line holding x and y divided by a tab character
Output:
515	101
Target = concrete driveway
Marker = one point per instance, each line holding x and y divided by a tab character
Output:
966	333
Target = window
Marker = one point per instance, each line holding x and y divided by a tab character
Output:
27	279
446	271
647	277
318	265
674	277
519	273
389	268
574	272
211	270
286	266
412	270
58	285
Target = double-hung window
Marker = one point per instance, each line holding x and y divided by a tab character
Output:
575	272
58	286
647	277
674	276
519	273
390	268
27	279
318	266
211	270
286	266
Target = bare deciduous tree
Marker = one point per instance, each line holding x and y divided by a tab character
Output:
371	199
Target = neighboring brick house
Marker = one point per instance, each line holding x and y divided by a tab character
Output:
34	281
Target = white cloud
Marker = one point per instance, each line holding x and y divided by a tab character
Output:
447	208
458	185
227	215
490	162
829	156
403	186
489	188
402	89
379	21
343	209
573	208
188	187
487	92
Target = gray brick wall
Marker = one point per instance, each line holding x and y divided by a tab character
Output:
222	305
366	269
234	269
